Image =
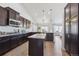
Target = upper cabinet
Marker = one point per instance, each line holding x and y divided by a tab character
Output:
67	12
12	14
71	10
21	19
10	17
74	9
24	22
3	16
13	17
28	24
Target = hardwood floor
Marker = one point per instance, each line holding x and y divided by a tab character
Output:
48	48
64	53
22	50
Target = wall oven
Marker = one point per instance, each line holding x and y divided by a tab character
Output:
15	23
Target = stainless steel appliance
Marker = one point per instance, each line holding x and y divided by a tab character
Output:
15	23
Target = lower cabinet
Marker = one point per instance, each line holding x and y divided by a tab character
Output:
36	47
68	43
49	36
10	42
13	41
4	45
74	46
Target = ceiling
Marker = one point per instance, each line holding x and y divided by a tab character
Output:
35	10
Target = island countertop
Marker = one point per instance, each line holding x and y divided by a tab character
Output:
38	36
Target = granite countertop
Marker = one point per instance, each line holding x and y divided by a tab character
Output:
38	36
11	34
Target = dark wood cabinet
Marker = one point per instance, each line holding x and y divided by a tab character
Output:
25	23
49	37
9	42
14	41
36	47
67	12
74	10
3	16
22	21
71	28
12	14
8	13
4	44
28	24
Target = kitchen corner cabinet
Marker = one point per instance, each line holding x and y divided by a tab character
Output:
3	16
71	18
12	14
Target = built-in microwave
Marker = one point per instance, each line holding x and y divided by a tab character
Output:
15	23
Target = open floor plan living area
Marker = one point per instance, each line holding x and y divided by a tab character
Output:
39	29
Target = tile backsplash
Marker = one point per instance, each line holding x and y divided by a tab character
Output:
10	29
6	29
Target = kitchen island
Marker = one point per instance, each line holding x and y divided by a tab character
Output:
36	43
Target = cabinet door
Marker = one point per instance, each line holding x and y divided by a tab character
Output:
12	13
4	45
17	16
49	36
74	9
67	12
74	45
67	37
14	42
3	16
21	19
20	39
25	23
36	47
74	35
